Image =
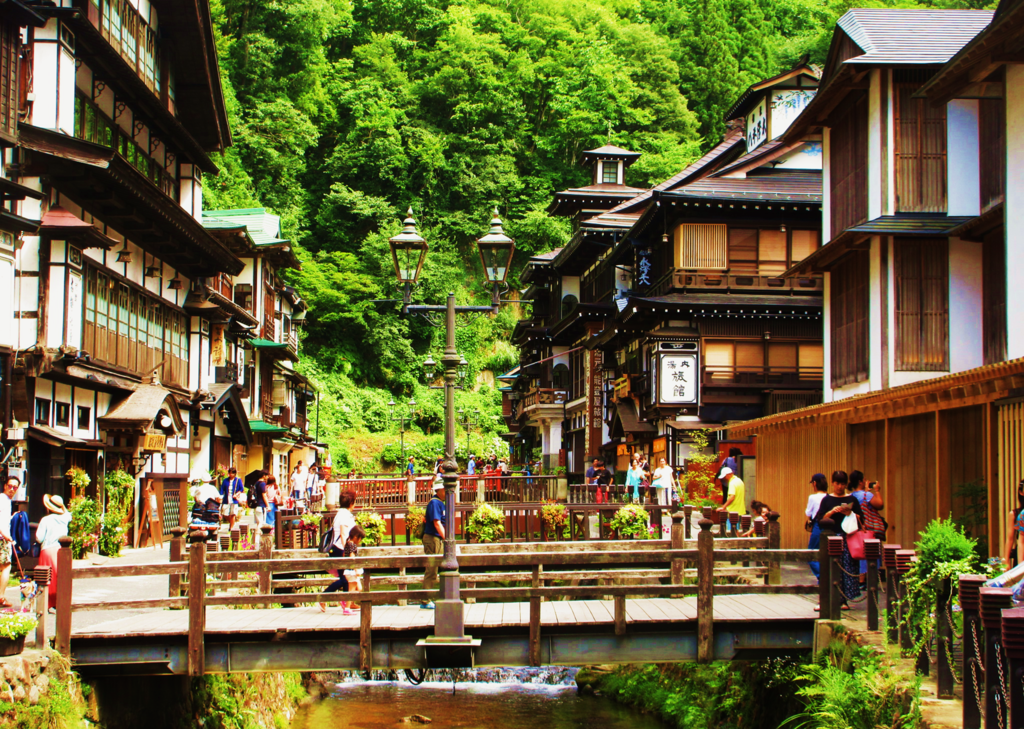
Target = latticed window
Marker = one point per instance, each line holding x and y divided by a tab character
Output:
922	304
609	173
848	165
9	42
920	152
849	318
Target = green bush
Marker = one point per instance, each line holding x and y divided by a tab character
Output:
943	541
486	523
120	489
84	526
374	526
414	520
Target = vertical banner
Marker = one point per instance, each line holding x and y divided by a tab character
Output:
593	363
74	310
217	354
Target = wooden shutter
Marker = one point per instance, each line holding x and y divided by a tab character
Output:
811	360
922	304
9	42
992	151
719	361
771	252
848	164
742	251
701	247
920	153
849	319
993	297
805	242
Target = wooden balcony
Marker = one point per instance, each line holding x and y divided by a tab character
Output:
293	342
267	407
541	398
222	284
795	378
746	282
301	422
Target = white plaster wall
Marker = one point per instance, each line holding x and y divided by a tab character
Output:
559	356
966	346
66	97
962	157
45	77
826	185
875	151
1014	210
8	324
890	203
56	313
83	398
875	296
62	393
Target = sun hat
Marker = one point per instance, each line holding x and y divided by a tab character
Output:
726	471
54	503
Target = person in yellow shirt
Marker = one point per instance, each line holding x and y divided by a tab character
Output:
737	491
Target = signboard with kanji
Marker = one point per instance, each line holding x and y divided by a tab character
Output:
678	378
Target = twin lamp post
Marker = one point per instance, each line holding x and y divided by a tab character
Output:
449	646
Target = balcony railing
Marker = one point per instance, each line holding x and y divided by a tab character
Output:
543	396
222	285
130	35
267	407
730	281
293	342
757	376
301	422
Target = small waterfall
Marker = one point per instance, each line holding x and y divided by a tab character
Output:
544	676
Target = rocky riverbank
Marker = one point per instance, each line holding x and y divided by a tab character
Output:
38	689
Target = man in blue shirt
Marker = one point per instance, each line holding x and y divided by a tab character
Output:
433	538
471	466
410	469
231	494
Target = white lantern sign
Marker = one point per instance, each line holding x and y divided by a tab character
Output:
678	378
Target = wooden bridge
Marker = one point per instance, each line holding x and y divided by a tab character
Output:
560	603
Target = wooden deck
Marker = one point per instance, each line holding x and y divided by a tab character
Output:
557	614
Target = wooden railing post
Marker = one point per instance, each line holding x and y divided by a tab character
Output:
944	639
266	552
365	627
972	668
42	577
774	542
1013	645
678	542
535	618
197	603
176	550
835	556
872	552
705	593
892	618
904	559
64	582
620	615
827	528
993	601
688	511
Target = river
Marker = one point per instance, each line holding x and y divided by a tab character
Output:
535	704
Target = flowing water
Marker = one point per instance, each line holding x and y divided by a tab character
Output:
505	698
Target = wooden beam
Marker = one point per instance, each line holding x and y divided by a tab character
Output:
943	503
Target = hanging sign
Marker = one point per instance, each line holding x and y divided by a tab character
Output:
593	363
757	126
644	269
678	379
217	354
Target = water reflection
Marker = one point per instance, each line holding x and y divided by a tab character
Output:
376	704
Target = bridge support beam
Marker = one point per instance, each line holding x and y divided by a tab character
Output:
196	603
705	593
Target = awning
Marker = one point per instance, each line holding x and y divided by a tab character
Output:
274	349
228	404
139	410
627	415
58	222
262	427
55	438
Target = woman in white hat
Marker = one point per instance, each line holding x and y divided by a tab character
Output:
51	528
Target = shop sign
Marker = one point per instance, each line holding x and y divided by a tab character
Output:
757	126
217	354
658	446
678	379
154	442
593	363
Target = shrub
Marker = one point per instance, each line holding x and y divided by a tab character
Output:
631	521
414	519
84	526
556	518
13	625
374	526
120	488
486	523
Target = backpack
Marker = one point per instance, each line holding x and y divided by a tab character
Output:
250	496
327	541
21	532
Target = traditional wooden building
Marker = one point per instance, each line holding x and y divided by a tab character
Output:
921	285
667	310
120	321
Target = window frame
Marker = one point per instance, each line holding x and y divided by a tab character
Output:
921	335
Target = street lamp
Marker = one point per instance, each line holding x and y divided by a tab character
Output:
402	418
468	423
408	250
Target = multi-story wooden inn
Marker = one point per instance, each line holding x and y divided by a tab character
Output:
668	309
921	113
134	331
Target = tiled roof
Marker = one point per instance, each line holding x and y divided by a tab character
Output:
905	36
610	150
264	228
794	186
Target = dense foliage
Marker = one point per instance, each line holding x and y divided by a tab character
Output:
345	112
486	523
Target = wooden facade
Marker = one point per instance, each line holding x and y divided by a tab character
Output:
850	310
920	149
922	304
848	156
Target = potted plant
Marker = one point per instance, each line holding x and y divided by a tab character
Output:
14	626
556	521
630	522
414	519
310	529
374	526
486	523
79	481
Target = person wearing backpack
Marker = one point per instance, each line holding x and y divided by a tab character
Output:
11	487
258	500
344	521
231	491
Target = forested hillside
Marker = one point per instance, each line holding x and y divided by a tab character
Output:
346	112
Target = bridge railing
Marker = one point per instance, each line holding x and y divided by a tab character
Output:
673	567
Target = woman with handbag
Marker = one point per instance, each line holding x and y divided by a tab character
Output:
871	503
845	511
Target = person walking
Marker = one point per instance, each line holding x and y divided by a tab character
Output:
232	491
344	522
736	490
664	482
355	537
410	468
732	464
838	505
433	538
298	480
259	512
471	465
273	500
51	528
633	478
11	486
820	484
871	502
312	483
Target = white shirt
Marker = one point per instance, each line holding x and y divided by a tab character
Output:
5	515
206	492
343	523
814	503
51	528
299	479
663	477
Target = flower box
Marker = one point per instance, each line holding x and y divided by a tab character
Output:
12	646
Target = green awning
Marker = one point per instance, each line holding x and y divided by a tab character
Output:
274	349
264	428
